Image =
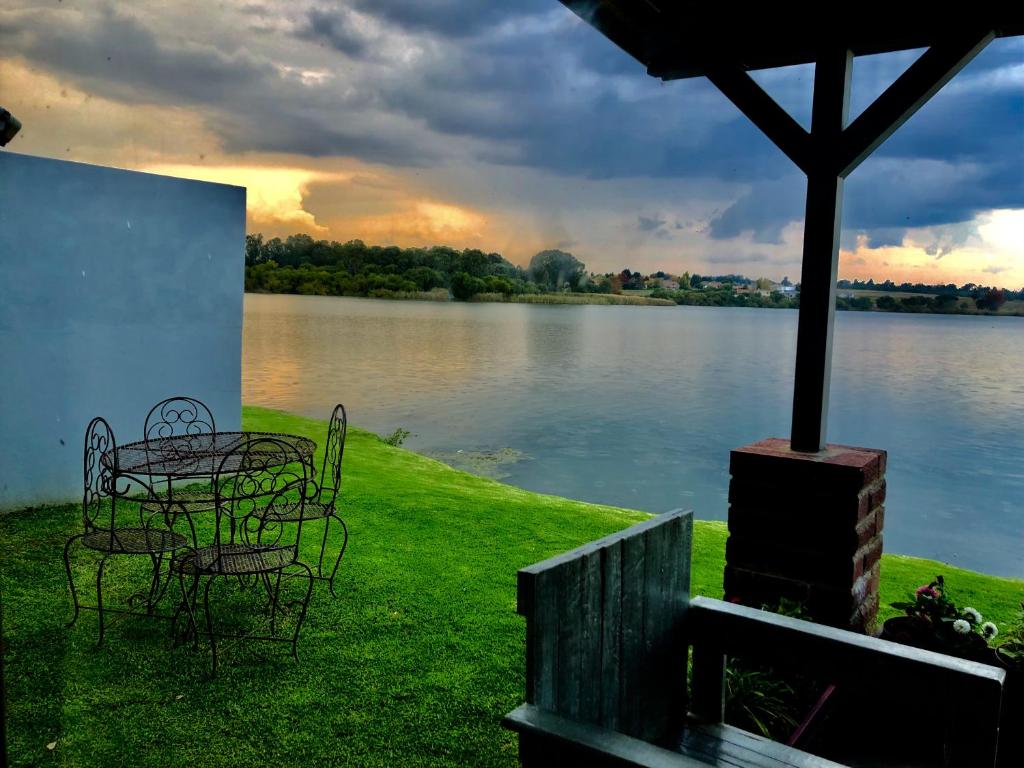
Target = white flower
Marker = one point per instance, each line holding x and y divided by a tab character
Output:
961	627
989	630
972	615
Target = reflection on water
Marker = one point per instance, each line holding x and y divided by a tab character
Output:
639	406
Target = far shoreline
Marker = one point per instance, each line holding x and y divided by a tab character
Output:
442	296
608	299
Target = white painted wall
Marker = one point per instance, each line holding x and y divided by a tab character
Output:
117	289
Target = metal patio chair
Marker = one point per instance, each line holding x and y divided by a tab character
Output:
104	533
246	544
183	417
322	498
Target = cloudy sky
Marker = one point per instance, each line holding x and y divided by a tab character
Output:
509	126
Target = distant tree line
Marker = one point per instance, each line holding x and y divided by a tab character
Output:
300	264
727	296
967	290
986	300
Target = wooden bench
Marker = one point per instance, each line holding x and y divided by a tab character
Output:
608	628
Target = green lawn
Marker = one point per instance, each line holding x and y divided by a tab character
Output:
412	665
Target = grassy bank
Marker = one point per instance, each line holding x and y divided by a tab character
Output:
573	298
412	665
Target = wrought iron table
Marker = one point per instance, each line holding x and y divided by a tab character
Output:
193	457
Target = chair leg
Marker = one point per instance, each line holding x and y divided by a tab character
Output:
323	548
265	580
341	552
209	623
71	579
188	522
154	584
189	596
165	582
302	613
274	604
99	597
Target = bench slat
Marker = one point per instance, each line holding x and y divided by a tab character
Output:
735	747
551	739
547	739
611	634
603	627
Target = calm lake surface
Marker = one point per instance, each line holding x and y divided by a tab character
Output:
640	406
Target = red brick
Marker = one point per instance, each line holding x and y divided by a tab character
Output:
757	589
807	527
868	556
865	615
869	583
836	466
797	501
877	493
831	569
867	529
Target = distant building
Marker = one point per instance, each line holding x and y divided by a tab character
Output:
710	284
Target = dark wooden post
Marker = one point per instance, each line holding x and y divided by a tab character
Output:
828	154
831	106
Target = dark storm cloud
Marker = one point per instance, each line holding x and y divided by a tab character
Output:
334	29
251	104
527	84
654	226
450	18
119	57
649	223
881	237
764	211
961	154
736	258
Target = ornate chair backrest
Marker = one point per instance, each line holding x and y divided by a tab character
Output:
99	471
255	474
334	450
178	416
183	417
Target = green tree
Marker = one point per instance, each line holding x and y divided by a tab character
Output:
554	269
991	300
425	278
465	286
254	253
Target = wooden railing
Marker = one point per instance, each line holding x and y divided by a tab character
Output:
608	629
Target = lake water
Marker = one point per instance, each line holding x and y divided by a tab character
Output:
640	406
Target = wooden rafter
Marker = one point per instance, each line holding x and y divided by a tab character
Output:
762	110
907	94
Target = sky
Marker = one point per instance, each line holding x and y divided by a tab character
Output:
511	127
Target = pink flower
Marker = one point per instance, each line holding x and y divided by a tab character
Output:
927	591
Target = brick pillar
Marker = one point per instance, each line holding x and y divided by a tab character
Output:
808	527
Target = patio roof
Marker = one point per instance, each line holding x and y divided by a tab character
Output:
680	39
724	42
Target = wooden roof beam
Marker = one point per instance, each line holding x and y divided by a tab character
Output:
908	93
762	110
